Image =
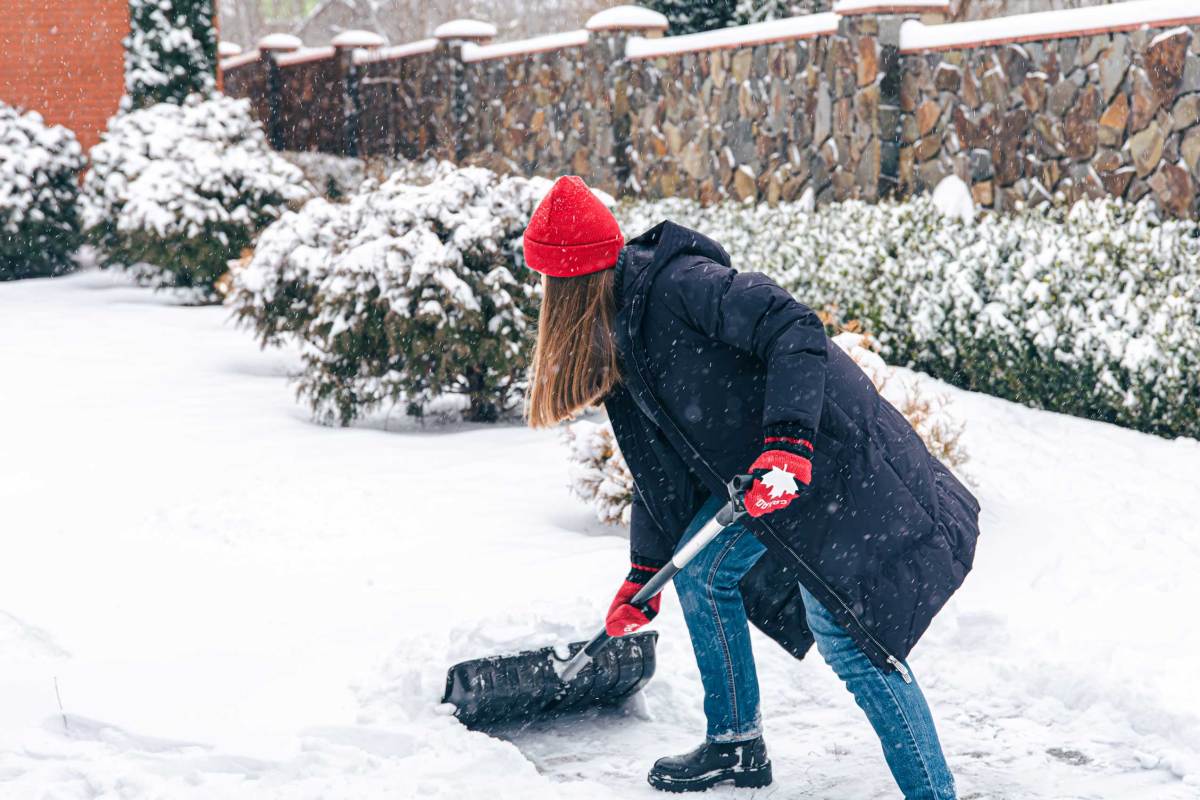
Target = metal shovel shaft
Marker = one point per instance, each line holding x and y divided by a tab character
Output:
728	514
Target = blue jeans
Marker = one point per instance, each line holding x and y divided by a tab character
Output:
716	619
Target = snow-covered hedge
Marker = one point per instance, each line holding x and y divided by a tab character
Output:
39	185
338	177
600	477
1092	311
176	191
402	294
598	473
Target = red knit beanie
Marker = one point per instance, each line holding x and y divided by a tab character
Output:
571	233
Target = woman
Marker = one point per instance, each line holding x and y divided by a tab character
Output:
856	536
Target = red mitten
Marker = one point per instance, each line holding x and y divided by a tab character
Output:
779	473
622	617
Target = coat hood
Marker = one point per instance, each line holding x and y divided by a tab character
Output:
660	245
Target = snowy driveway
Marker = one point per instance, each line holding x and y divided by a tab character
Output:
232	602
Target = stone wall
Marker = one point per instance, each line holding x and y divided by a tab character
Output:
1115	113
548	113
767	121
310	104
403	102
836	105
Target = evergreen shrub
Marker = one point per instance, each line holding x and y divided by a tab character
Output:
403	294
39	186
177	191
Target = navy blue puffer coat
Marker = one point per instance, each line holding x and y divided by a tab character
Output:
710	356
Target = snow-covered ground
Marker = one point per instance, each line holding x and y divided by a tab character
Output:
205	595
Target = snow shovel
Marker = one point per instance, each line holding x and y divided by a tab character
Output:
542	684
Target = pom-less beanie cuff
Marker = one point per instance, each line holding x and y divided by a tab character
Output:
572	260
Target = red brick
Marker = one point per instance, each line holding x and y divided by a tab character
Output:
64	59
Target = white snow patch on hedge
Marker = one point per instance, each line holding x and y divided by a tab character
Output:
1093	311
953	198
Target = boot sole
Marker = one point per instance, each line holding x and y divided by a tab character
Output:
755	778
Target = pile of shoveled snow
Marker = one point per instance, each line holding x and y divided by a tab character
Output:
206	595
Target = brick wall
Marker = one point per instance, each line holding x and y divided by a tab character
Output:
64	59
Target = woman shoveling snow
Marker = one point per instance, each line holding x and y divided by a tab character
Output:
856	536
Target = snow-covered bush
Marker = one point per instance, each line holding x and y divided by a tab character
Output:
176	191
1092	311
402	294
338	177
926	410
170	52
600	477
598	473
39	185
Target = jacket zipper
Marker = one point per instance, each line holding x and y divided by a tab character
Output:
895	663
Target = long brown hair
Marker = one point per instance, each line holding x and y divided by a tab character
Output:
575	364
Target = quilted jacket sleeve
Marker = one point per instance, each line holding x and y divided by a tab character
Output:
751	312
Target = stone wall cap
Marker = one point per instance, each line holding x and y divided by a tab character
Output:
465	29
395	51
916	37
305	55
364	39
227	49
240	60
524	47
280	41
627	18
780	30
849	8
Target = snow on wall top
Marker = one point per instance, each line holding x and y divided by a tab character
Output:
1182	30
538	44
917	37
465	29
396	51
620	18
240	60
228	49
280	41
306	54
741	36
358	39
854	7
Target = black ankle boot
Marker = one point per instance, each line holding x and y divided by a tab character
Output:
744	763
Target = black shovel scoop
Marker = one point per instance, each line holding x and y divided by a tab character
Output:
539	684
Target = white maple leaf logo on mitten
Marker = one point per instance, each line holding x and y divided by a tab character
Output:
780	482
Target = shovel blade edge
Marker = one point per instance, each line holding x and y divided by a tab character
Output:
526	686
